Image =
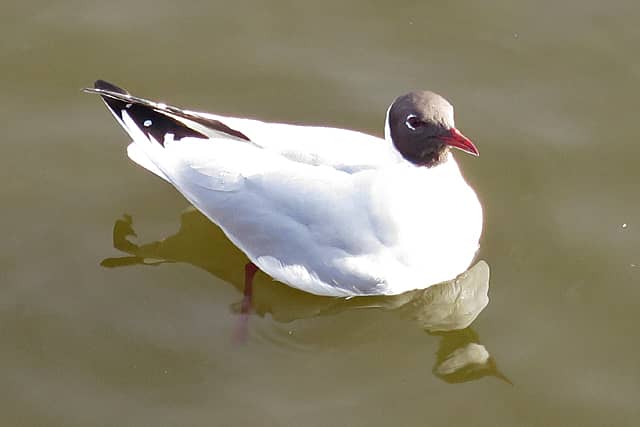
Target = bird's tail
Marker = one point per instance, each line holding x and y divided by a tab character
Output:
158	122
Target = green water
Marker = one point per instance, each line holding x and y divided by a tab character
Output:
97	332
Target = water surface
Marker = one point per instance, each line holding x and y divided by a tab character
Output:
547	91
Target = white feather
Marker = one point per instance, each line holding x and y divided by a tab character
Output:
138	155
325	230
327	211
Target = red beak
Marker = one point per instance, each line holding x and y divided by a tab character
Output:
458	140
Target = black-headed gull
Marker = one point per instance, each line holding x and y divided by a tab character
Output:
328	211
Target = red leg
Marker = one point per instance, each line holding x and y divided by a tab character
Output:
250	271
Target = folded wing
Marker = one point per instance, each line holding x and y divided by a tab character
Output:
145	120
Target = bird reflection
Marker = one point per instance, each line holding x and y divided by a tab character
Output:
444	310
462	358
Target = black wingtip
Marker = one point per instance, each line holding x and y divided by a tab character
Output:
104	85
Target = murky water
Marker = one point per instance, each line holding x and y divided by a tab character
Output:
103	327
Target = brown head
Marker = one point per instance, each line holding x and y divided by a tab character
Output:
421	127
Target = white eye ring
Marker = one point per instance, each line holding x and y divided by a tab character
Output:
408	121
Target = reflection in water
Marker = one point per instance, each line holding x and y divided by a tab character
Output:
444	310
462	358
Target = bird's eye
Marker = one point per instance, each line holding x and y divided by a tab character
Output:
413	122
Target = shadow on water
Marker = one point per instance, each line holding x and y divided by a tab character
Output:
445	310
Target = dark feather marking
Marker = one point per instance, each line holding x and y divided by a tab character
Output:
102	85
161	124
217	125
141	110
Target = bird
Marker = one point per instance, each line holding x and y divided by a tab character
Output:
328	211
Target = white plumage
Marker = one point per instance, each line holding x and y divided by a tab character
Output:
328	211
